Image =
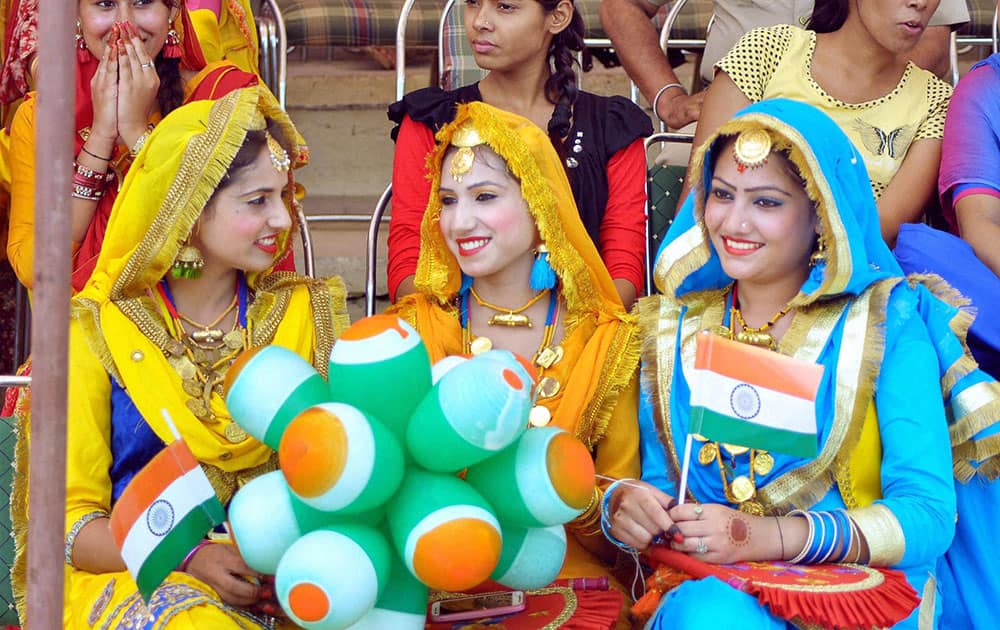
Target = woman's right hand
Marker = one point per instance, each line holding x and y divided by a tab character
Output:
638	514
104	92
220	566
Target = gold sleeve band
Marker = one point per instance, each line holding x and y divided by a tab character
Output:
882	532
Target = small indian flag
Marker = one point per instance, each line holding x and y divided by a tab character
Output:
164	512
753	397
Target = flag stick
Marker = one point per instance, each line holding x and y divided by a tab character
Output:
682	492
170	423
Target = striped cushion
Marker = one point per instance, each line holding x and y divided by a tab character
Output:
980	18
358	22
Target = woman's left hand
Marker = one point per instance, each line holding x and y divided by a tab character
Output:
721	535
138	84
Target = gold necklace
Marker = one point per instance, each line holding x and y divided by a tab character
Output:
508	316
755	336
545	357
202	365
209	333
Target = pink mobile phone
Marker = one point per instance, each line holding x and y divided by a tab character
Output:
478	606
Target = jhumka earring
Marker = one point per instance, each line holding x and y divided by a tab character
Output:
82	52
279	157
172	46
819	256
188	262
543	276
751	149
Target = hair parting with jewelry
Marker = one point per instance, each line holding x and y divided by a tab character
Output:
252	145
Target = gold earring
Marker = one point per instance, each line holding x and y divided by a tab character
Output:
188	263
819	256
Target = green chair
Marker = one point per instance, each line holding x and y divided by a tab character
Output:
8	438
663	189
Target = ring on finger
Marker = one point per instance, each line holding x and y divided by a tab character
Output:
698	511
148	64
701	548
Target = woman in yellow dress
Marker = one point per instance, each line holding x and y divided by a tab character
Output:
505	262
153	330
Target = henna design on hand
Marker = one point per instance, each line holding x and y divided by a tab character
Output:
738	531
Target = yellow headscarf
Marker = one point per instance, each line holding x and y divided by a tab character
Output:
162	197
584	280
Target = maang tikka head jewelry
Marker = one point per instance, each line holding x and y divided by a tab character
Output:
751	149
465	137
279	157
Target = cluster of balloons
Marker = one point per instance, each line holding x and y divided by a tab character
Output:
369	508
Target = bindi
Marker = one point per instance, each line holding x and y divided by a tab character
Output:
739	531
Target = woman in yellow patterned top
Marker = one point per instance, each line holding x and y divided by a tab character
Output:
851	64
184	283
501	213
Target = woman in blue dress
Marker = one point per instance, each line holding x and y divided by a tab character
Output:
780	247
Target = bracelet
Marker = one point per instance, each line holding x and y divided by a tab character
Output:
139	143
588	522
89	173
94	155
781	537
799	557
187	559
659	93
606	521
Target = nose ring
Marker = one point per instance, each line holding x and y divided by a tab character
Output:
744	225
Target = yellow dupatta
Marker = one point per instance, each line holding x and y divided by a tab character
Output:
601	341
161	199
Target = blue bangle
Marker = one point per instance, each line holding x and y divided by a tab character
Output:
817	542
605	521
847	536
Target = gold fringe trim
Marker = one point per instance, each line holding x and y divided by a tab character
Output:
620	365
959	324
19	502
88	314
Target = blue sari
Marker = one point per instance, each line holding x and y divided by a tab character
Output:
888	348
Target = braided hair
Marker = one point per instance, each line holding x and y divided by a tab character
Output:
561	88
170	95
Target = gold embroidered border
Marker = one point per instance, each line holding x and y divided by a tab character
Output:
862	345
620	364
882	532
873	578
928	602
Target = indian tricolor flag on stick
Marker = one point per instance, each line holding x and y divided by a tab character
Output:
753	397
164	512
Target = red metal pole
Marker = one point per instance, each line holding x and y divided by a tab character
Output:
50	325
